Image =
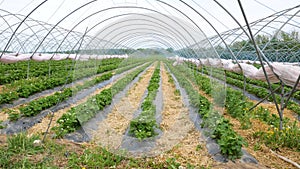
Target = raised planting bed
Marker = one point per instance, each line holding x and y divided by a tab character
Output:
144	125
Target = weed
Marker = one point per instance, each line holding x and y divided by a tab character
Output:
1	125
13	115
19	146
199	147
172	164
177	92
257	146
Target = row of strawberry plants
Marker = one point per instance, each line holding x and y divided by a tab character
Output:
72	120
25	88
220	129
259	92
18	71
12	73
36	106
144	125
133	62
64	70
262	84
238	106
21	67
53	63
240	77
203	84
133	65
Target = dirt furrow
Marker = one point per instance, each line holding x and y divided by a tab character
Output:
3	116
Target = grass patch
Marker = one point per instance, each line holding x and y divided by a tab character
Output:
20	152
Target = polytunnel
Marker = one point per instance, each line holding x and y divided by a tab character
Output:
149	84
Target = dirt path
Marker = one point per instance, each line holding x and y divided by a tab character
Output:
173	105
3	116
111	130
41	127
180	138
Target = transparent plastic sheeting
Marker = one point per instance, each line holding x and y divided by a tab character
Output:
104	25
287	72
190	28
276	36
14	57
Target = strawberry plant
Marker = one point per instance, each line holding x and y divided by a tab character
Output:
1	125
67	123
104	98
144	125
231	144
36	106
12	114
8	97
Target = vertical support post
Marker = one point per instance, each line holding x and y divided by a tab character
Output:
281	105
244	88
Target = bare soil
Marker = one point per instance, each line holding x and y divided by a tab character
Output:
3	116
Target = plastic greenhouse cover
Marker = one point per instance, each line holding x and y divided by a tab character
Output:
287	72
15	57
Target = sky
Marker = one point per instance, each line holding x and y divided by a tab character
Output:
54	10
